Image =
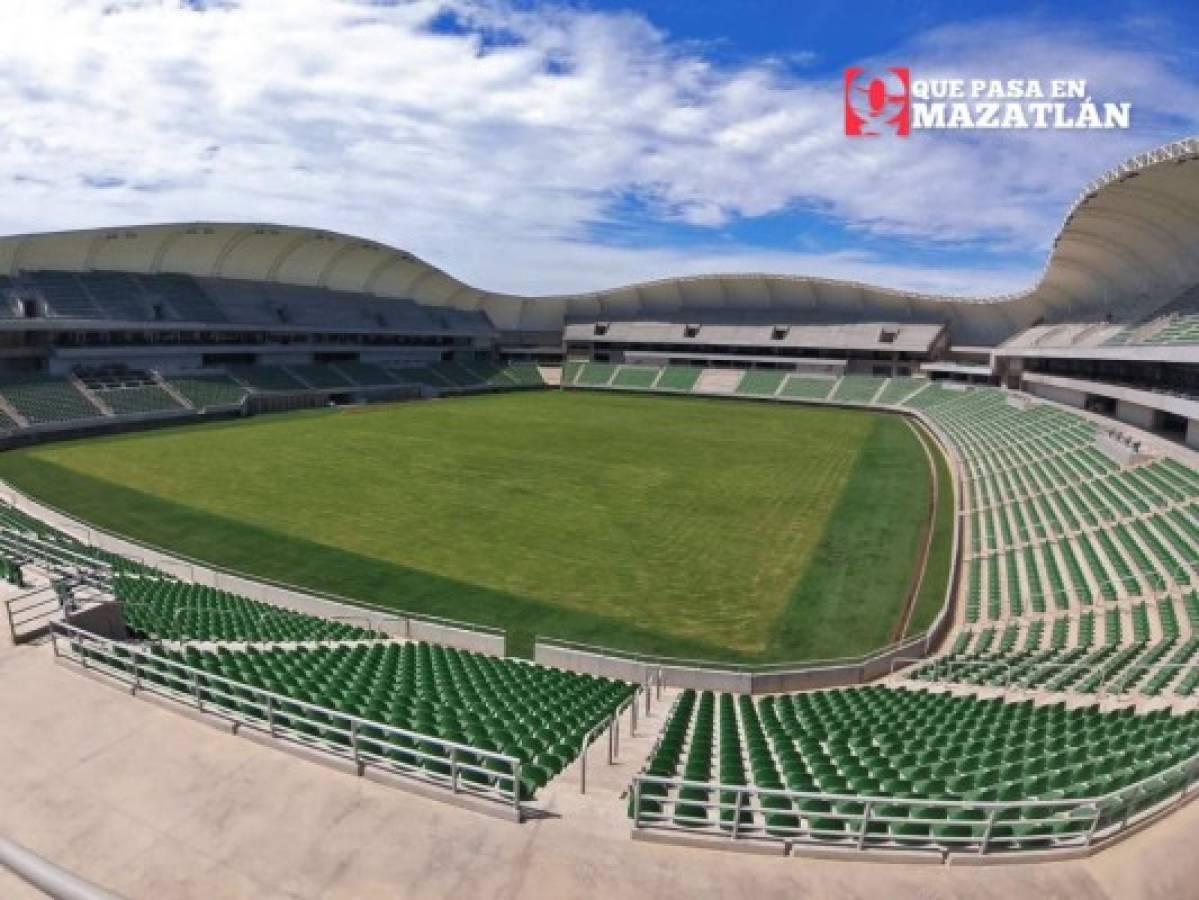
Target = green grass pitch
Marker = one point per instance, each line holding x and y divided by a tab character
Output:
715	529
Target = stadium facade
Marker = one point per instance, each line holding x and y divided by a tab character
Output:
1110	324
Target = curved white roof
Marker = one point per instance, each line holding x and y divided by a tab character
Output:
1126	246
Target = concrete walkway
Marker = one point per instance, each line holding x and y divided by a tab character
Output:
150	804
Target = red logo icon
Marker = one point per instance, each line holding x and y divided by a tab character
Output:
877	105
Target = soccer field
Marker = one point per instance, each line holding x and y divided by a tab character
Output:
680	526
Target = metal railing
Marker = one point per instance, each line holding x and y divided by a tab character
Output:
612	724
367	743
52	556
864	822
925	640
660	661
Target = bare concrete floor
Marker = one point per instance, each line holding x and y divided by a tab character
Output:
13	888
150	804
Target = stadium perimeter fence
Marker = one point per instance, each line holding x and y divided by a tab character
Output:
396	622
573	656
767	678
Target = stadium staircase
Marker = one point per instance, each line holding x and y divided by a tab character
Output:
718	381
170	389
91	395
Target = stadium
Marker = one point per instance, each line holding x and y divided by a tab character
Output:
612	581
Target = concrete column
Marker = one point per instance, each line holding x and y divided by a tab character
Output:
1193	433
1140	416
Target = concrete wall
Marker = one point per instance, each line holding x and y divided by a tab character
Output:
1133	414
595	661
747	681
38	434
492	642
397	623
1058	394
104	619
1193	433
625	669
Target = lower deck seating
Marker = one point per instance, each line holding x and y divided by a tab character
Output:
420	375
898	389
455	374
318	375
1077	573
932	396
31	539
912	746
636	376
142	399
805	387
857	388
267	378
540	715
596	374
678	378
470	374
203	391
526	374
365	374
761	382
168	609
44	399
489	373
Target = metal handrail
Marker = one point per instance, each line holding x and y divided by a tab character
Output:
860	660
1100	817
10	537
738	668
200	687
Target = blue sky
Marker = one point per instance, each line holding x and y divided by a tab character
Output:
539	148
840	33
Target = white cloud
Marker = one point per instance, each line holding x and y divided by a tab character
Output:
494	162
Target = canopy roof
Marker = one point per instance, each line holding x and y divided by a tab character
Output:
1126	247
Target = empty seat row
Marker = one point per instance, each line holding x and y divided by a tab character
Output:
906	768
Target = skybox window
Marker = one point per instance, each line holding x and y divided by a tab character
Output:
888	335
601	328
778	332
690	331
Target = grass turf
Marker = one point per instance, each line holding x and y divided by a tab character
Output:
676	526
931	595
